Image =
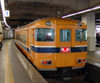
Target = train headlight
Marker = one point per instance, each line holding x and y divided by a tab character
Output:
48	23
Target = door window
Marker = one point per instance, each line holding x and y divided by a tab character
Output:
65	35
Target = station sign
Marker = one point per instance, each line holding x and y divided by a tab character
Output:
7	13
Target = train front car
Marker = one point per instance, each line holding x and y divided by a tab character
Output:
60	44
57	44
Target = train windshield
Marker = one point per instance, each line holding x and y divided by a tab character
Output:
65	35
81	34
44	34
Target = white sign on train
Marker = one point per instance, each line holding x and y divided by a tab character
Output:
7	13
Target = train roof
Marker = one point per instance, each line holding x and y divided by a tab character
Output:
57	21
62	21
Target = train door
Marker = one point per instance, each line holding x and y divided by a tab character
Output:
64	58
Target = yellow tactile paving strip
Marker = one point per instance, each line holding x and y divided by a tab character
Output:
9	77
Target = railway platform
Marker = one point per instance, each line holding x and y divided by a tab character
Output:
93	66
14	69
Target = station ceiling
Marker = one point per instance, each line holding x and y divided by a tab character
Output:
25	11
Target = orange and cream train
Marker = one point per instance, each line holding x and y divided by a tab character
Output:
54	43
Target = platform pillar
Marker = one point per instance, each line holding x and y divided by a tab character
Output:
89	19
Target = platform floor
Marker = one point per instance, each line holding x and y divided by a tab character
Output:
94	57
12	70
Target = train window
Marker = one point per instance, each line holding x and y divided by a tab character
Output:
24	38
65	35
17	36
21	37
44	34
81	34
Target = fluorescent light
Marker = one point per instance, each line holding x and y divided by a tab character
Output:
3	9
3	12
83	11
97	19
97	26
97	30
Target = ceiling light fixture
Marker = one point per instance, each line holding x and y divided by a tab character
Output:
97	19
81	12
3	12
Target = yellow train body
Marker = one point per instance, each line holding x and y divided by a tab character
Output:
63	43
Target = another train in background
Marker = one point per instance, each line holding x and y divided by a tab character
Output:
54	44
